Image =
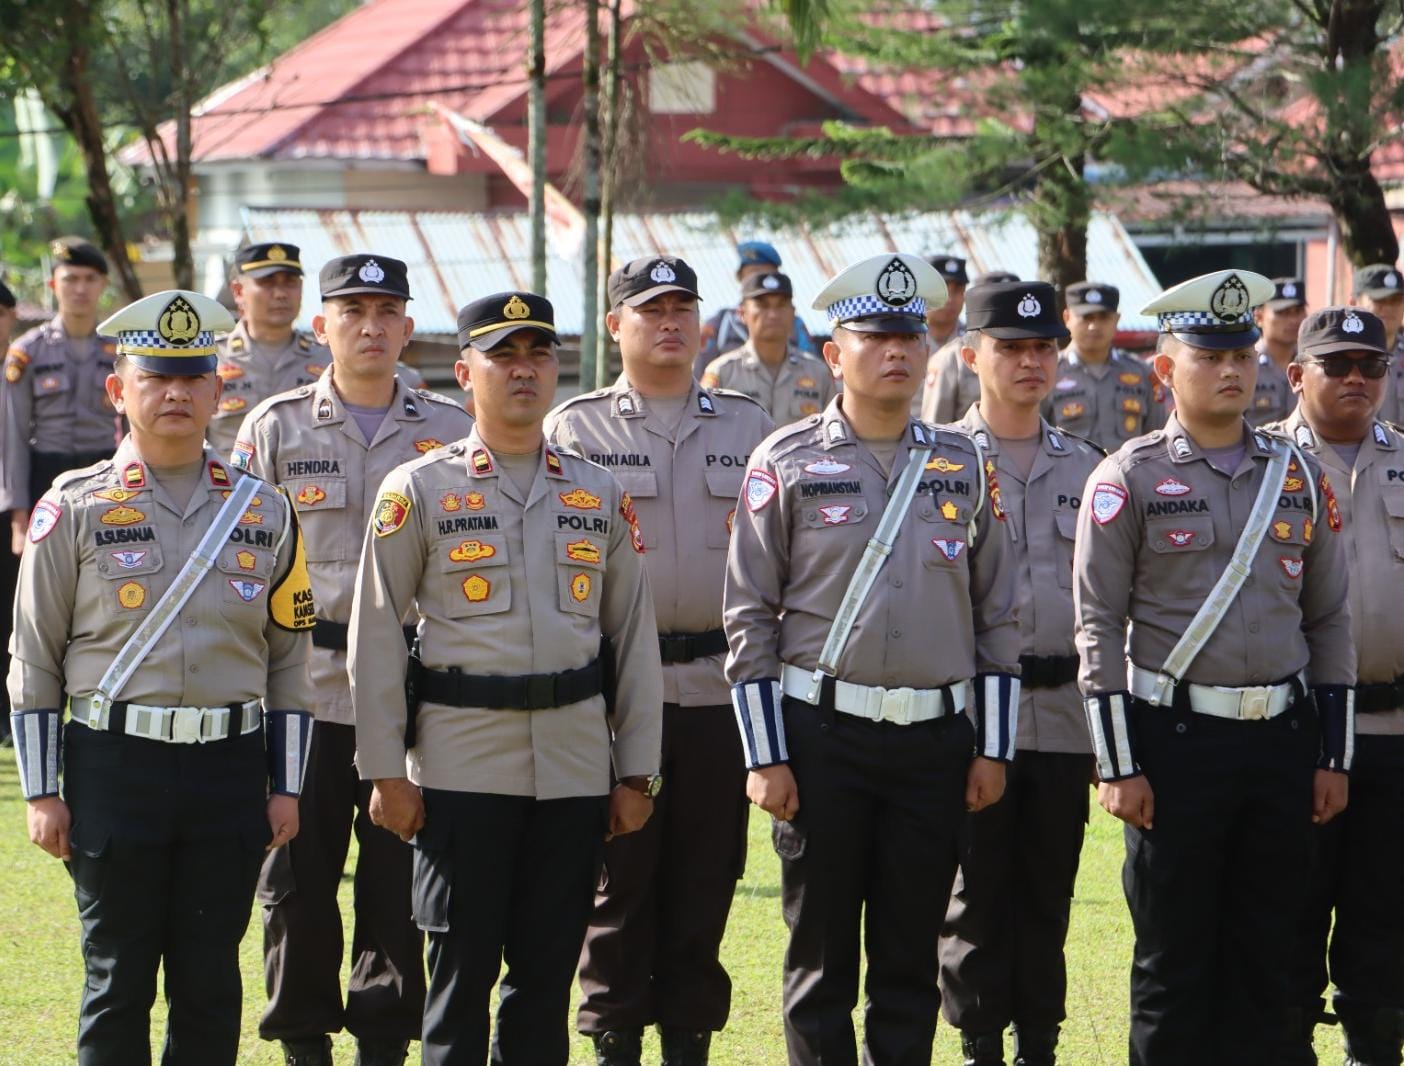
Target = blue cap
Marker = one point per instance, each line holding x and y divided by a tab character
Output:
757	252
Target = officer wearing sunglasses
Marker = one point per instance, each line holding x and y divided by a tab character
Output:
1338	376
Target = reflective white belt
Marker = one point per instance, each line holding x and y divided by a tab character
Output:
180	725
1253	703
902	706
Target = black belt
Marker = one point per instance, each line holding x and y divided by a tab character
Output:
1047	671
1380	696
685	647
532	692
332	635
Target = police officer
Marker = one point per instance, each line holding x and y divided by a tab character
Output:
1339	376
9	564
788	383
163	602
1379	289
329	445
725	330
1102	393
1215	547
9	315
863	680
1002	947
680	450
519	557
944	324
55	414
264	355
1278	321
950	387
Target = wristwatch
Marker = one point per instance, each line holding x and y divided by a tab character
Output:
649	784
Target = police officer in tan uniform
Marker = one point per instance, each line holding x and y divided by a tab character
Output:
861	700
1379	289
681	451
950	387
519	558
9	563
944	324
1339	376
55	414
788	383
1002	947
1229	731
329	445
1102	393
264	355
184	674
1278	321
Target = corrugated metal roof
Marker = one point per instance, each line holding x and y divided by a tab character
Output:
454	257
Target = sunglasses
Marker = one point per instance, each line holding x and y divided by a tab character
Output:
1339	366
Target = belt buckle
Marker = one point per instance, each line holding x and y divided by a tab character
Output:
897	705
1253	703
185	725
540	694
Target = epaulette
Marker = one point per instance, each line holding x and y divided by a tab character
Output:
732	394
1393	425
234	343
1139	449
788	437
70	477
304	342
438	397
1082	440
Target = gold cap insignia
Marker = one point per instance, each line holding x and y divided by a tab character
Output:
58	250
178	324
277	254
516	308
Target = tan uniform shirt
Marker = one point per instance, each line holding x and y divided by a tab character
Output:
1156	531
942	608
1042	519
306	442
104	546
951	386
1108	403
802	387
53	399
506	586
685	486
1273	398
1371	500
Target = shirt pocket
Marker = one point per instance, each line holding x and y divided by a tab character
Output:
244	575
723	490
1065	521
477	579
321	511
641	485
580	567
127	588
1178	564
1394	508
51	382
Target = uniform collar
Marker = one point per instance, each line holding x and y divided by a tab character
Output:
1053	442
480	462
627	402
1183	449
751	358
328	409
133	476
54	330
835	430
1378	437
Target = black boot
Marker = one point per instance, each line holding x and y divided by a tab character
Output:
315	1051
381	1052
1034	1045
618	1047
684	1047
982	1049
1373	1037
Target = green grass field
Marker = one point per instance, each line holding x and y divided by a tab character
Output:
41	970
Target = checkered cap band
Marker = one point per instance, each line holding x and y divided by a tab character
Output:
1175	321
149	342
851	307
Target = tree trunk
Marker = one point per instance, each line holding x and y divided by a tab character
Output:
1357	201
609	179
593	369
1060	212
536	145
79	114
178	198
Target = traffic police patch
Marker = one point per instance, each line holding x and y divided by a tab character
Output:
390	513
1292	567
761	487
44	520
128	560
836	514
951	549
1107	502
1180	538
247	590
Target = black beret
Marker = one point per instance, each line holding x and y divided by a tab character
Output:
487	322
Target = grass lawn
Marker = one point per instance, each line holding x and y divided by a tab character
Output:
41	972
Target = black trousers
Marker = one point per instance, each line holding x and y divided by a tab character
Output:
1002	946
302	933
1357	869
1215	888
167	841
873	844
9	575
504	878
651	954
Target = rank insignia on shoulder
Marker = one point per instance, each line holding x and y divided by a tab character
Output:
134	476
1381	437
553	463
1182	448
304	343
236	344
704	404
390	513
625	405
43	520
580	500
1055	441
324	410
482	462
218	475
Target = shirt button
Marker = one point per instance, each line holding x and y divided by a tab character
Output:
896	582
195	668
1252	627
896	632
190	621
1238	484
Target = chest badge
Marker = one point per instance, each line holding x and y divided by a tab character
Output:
121	516
131	595
311	495
951	549
580	500
836	514
246	589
